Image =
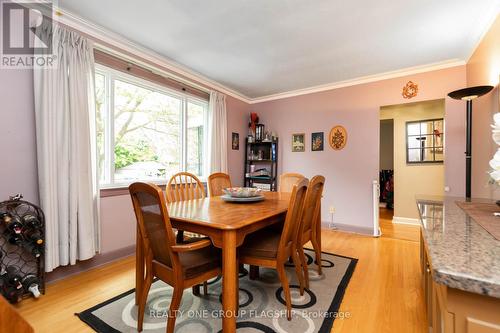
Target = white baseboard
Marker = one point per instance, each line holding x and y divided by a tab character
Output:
405	220
348	228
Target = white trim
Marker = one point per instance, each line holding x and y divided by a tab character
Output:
116	40
405	220
111	75
362	80
363	230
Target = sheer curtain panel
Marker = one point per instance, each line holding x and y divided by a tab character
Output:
217	126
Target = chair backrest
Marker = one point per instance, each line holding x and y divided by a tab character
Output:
153	221
184	186
293	215
217	182
312	204
287	180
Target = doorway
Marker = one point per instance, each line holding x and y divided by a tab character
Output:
386	169
411	158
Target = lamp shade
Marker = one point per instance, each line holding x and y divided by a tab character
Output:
470	93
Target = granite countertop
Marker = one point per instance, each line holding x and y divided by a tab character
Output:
463	254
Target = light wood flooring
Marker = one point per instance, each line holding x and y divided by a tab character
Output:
384	294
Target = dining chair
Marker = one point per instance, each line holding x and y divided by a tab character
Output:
267	248
308	227
287	180
217	182
179	265
184	186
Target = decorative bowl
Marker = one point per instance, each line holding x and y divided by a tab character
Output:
242	192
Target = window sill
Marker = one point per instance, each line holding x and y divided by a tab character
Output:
120	190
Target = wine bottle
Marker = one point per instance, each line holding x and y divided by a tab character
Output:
14	225
31	221
12	294
14	230
6	217
35	249
33	235
12	277
31	283
15	239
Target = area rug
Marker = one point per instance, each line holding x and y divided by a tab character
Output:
262	305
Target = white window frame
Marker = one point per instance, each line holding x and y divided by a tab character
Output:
110	75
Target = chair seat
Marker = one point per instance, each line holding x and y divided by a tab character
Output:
200	261
263	243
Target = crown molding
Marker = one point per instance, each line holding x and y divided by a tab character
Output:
361	80
109	38
111	41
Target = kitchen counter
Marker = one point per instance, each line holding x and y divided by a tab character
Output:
462	254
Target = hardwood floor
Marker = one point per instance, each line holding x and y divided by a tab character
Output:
396	231
384	294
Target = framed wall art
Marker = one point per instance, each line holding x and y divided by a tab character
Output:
338	138
317	141
298	142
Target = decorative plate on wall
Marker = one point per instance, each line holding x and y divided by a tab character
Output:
410	90
338	137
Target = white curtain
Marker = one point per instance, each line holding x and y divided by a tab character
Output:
66	147
217	125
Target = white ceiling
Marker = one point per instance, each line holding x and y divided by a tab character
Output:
264	47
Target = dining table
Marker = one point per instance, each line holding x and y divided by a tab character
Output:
226	224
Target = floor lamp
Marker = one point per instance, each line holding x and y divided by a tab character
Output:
468	94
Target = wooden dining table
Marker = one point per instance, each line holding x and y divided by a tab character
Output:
226	224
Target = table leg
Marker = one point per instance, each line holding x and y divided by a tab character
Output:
229	282
139	267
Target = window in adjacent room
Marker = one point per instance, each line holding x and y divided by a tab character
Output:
425	141
146	131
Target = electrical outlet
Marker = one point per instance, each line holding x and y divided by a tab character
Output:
332	210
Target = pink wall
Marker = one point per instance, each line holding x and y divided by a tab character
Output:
484	68
349	173
237	121
18	171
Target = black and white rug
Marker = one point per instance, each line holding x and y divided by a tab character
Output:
262	304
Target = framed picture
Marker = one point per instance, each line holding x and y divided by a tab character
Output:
317	140
338	137
235	141
298	142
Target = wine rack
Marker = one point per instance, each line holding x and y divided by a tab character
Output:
22	244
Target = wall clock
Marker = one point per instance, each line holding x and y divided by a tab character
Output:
338	138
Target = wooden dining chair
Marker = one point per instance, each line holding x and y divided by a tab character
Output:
217	182
184	186
287	180
180	265
308	227
267	248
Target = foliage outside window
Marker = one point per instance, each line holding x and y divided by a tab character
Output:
145	131
425	141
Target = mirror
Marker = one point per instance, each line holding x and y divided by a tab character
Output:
425	141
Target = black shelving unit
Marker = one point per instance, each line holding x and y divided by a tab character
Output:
268	160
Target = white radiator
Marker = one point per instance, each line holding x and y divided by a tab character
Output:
376	196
